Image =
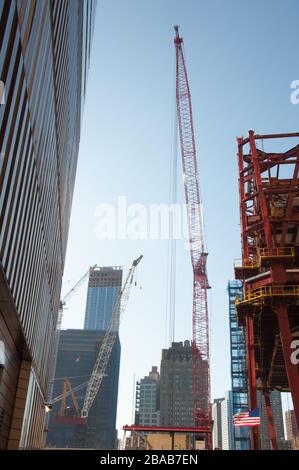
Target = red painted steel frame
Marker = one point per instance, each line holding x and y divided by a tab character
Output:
252	388
200	322
167	429
271	427
263	228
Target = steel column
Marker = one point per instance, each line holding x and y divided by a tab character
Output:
245	249
261	195
286	340
271	425
252	389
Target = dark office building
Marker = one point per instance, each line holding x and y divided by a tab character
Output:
176	386
44	57
77	353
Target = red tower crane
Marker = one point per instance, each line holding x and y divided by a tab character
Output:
200	320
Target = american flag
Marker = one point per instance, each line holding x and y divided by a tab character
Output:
248	418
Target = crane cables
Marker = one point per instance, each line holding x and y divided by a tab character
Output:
171	248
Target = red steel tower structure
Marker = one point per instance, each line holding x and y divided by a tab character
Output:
269	309
200	322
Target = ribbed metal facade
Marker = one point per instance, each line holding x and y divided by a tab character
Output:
44	55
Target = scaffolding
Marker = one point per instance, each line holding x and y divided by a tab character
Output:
238	366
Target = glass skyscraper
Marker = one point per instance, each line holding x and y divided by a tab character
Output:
227	427
103	288
44	57
239	393
76	357
77	353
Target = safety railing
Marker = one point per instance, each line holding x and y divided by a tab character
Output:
246	263
268	291
277	252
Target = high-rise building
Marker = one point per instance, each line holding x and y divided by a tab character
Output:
241	437
217	423
286	444
44	57
103	288
147	400
77	353
176	385
291	429
276	405
227	422
291	425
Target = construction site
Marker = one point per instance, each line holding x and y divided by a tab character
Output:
267	309
64	386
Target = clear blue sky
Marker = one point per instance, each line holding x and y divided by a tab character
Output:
242	56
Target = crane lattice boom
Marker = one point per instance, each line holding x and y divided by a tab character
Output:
102	360
62	303
200	323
